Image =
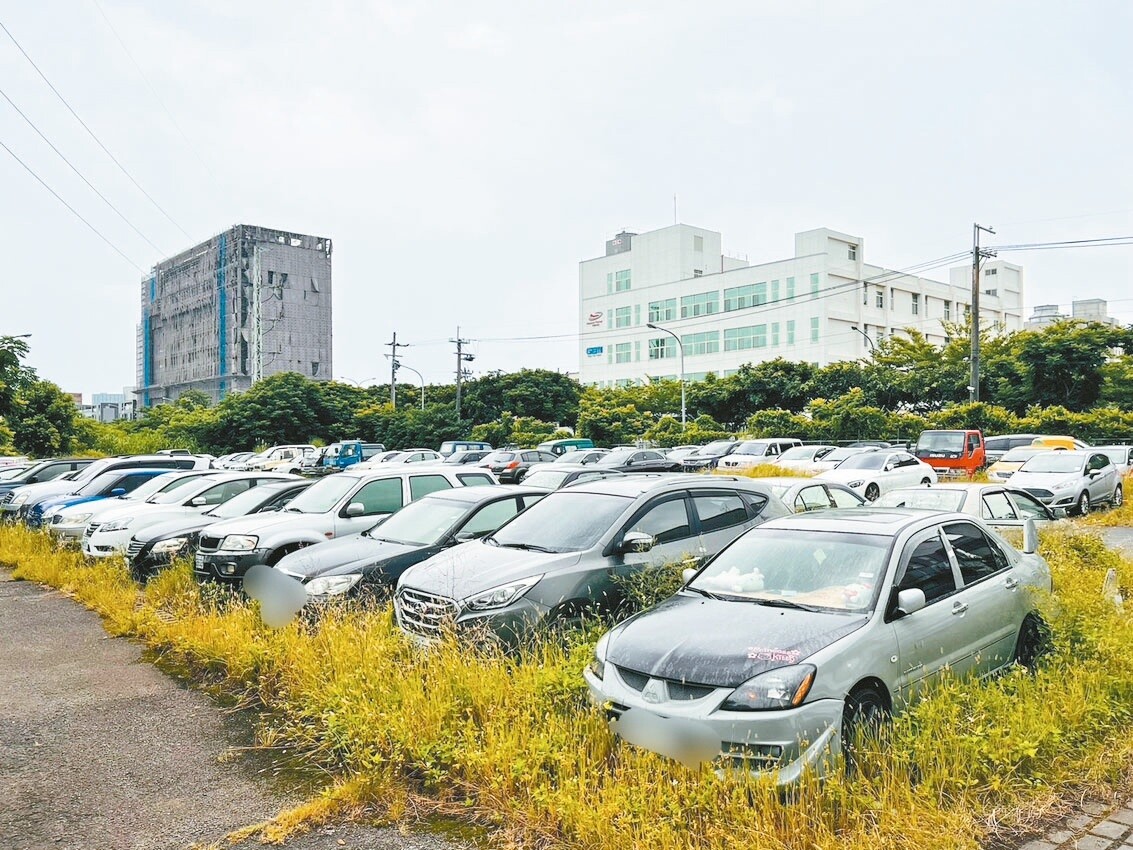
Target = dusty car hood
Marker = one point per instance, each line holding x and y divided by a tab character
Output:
476	566
344	555
1046	480
722	643
259	523
181	525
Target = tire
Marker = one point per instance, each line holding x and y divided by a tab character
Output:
1082	506
1033	642
864	716
872	492
1118	497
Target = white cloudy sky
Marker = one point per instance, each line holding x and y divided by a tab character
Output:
465	156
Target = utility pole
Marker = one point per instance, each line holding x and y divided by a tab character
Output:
393	364
974	386
461	359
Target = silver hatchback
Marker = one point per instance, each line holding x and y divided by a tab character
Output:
1071	481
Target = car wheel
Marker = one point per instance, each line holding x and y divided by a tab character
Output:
864	716
1082	506
872	492
1118	497
1033	641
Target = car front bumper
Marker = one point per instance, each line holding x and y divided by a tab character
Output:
226	567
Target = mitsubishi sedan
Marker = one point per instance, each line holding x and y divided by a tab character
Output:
808	628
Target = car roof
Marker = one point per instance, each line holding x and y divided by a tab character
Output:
864	520
791	480
649	482
472	495
572	467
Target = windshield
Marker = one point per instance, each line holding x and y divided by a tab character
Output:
9	474
548	478
420	523
323	495
175	494
865	460
242	503
97	485
778	488
616	458
715	449
839	455
941	441
1118	456
835	571
563	522
800	453
1019	455
499	457
90	470
937	500
1053	462
753	447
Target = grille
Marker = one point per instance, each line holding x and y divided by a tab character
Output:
91	528
424	613
7	498
1038	493
209	544
677	690
134	548
751	756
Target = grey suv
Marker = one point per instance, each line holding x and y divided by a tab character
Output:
563	557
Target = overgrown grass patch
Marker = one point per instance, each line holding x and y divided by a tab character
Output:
512	743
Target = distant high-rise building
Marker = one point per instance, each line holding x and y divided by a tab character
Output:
1083	310
248	303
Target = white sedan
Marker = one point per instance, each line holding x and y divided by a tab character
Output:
872	473
803	458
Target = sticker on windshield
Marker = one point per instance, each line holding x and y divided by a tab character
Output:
820	556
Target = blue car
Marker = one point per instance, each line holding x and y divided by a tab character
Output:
116	482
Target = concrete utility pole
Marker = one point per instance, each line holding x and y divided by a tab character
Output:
974	386
461	359
393	364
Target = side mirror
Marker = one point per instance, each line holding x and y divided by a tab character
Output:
687	573
1030	536
118	491
636	541
465	536
909	601
888	467
198	501
355	509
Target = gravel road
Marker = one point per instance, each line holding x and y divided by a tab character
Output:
99	749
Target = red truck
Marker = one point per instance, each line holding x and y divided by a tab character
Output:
952	452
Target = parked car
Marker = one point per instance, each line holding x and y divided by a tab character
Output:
278	459
154	548
68	524
337	506
1010	461
231	461
449	447
338	456
877	472
1073	481
110	534
803	458
571	444
41	471
832	459
1059	442
637	460
407	456
510	465
680	452
870	444
464	456
7	473
1122	457
751	453
116	482
582	456
369	564
995	504
997	446
810	494
808	628
707	457
555	476
566	556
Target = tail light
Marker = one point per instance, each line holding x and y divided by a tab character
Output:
512	465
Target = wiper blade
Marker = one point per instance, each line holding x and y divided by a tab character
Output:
783	603
708	594
527	547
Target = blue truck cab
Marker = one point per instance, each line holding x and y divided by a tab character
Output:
340	455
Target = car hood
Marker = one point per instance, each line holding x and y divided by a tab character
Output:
67	501
43	489
476	566
1045	480
188	524
722	643
259	523
344	555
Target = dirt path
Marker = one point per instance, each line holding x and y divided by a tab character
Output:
99	749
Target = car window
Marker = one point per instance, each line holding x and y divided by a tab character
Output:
1027	505
380	497
997	506
719	510
421	485
930	570
664	521
812	499
490	517
223	492
977	556
844	499
1099	461
475	479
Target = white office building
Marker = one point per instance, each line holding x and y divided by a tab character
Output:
824	304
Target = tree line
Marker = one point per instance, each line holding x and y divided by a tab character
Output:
1068	377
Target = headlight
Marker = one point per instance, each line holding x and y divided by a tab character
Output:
169	546
857	483
786	687
239	542
505	594
74	519
18	500
332	585
598	664
117	524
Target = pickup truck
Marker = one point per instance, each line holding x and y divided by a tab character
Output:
339	456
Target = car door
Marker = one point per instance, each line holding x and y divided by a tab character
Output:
813	497
666	519
1102	476
998	511
1027	506
844	498
927	639
907	471
721	516
377	497
990	606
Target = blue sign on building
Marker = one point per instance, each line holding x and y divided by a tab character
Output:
595	351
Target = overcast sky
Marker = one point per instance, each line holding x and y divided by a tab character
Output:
465	156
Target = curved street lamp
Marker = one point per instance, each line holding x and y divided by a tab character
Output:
872	347
681	349
401	365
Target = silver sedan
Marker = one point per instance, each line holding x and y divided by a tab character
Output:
995	504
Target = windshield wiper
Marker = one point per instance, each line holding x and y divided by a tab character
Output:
708	594
784	603
527	547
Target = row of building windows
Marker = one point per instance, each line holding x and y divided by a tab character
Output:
914	305
708	342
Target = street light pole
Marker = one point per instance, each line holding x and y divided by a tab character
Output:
872	347
420	377
681	350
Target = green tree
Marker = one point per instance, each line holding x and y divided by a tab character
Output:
539	393
13	374
43	419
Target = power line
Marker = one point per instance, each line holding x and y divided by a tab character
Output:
68	206
91	132
79	173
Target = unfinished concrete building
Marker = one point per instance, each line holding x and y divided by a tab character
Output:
248	303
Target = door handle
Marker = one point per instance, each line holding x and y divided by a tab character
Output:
1011	583
959	607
